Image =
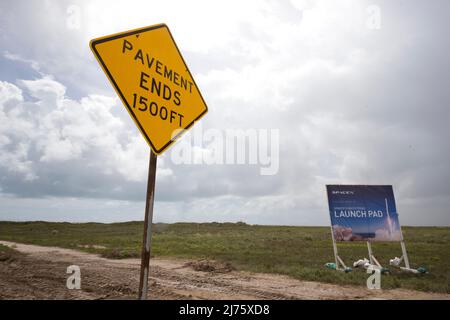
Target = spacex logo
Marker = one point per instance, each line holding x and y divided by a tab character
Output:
343	192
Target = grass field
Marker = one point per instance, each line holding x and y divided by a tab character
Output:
300	252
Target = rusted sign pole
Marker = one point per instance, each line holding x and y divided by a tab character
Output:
146	244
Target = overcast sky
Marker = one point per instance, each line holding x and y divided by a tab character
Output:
359	91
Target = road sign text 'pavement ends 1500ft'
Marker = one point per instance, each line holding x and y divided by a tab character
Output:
153	81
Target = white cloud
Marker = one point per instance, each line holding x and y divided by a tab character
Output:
353	105
54	129
9	93
45	89
15	57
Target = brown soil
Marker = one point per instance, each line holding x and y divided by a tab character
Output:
35	272
209	266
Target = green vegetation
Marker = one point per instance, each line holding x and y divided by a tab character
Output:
300	252
5	253
4	249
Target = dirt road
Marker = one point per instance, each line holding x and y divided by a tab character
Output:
40	273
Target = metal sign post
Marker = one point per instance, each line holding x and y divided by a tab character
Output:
147	241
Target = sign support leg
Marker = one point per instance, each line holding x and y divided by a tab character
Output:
146	244
369	248
405	258
405	254
372	259
335	250
337	260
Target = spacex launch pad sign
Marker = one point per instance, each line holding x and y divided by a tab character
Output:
153	81
363	213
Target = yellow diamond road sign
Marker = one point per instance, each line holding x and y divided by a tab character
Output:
153	81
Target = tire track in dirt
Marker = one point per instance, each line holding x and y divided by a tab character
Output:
37	272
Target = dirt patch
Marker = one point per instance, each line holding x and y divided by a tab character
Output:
37	272
210	266
9	256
